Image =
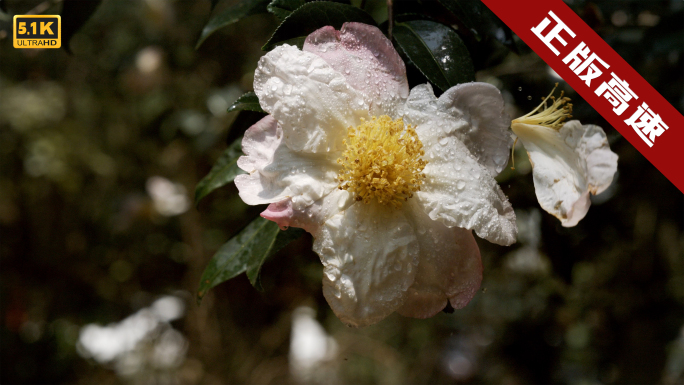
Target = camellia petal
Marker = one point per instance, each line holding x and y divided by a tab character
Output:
459	190
368	61
486	135
450	268
473	112
369	254
309	218
313	103
275	172
568	164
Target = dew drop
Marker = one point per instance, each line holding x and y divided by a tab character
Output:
519	88
529	97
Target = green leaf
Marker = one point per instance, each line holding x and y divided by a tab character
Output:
481	20
248	101
74	15
283	8
281	240
246	252
231	15
312	16
224	171
437	51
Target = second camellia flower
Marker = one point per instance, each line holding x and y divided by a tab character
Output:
389	183
569	160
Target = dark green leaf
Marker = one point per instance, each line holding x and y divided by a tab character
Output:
248	101
224	171
283	8
481	20
312	16
74	15
231	15
437	51
281	240
246	252
242	123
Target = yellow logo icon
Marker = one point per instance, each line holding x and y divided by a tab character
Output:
37	31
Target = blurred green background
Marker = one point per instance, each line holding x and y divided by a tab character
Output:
102	246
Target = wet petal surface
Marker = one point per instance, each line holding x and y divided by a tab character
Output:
313	103
369	254
368	61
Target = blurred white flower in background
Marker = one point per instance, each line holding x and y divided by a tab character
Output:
311	348
142	343
149	59
29	106
168	198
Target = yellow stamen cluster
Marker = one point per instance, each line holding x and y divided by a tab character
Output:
382	161
553	116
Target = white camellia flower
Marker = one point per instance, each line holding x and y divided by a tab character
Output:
569	160
390	184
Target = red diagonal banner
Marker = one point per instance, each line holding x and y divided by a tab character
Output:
595	71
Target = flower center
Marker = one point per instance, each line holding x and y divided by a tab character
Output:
553	116
382	161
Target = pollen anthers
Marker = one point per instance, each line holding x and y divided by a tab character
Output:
382	161
553	116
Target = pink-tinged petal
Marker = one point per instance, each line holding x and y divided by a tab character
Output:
568	165
369	253
280	212
275	172
311	101
311	217
368	61
578	210
450	268
260	143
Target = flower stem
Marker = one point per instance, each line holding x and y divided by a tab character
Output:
390	18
